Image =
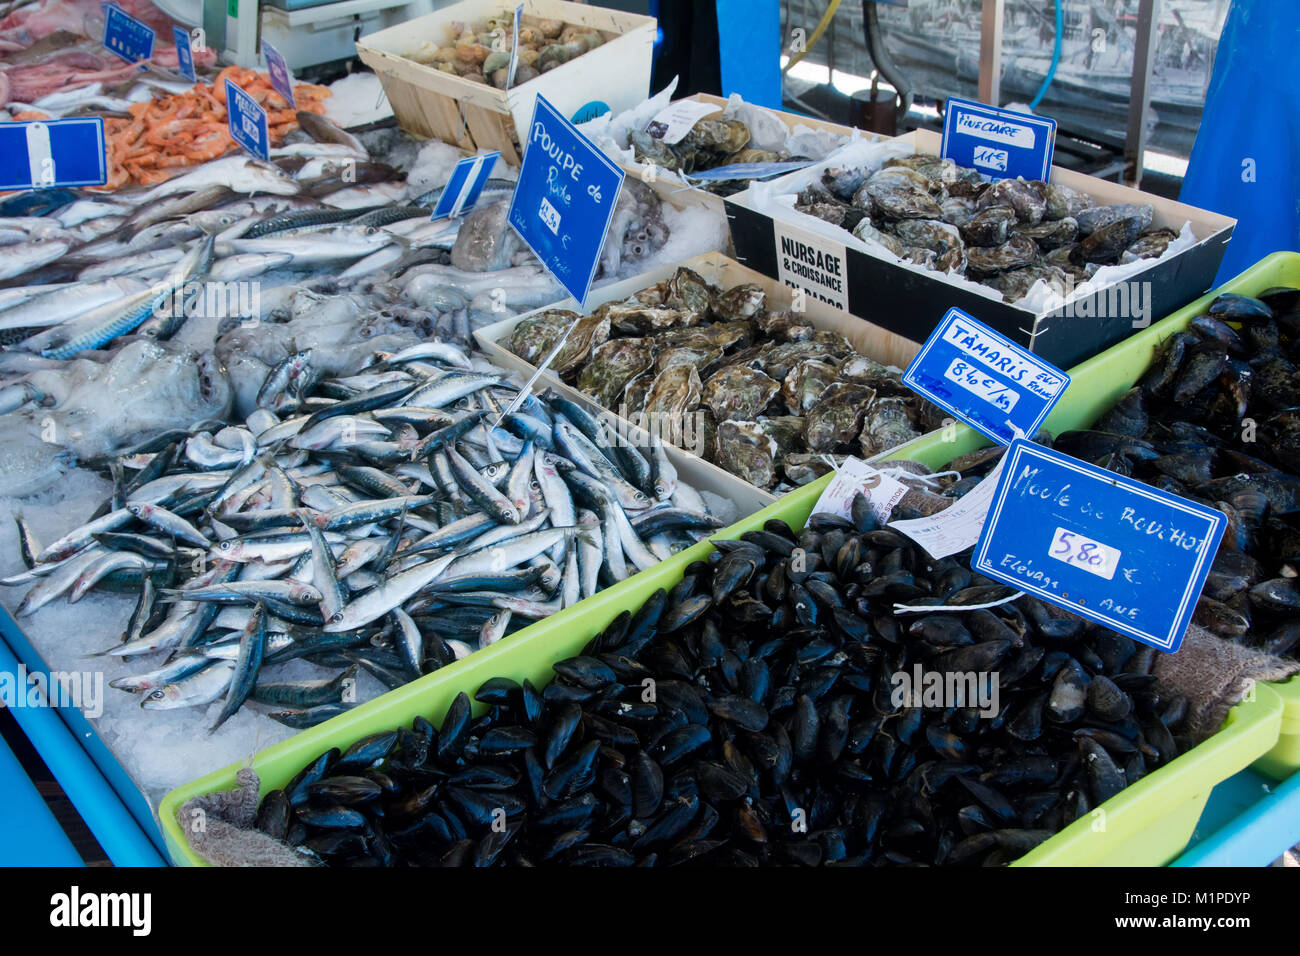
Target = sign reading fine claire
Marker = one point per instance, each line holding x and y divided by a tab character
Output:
812	263
1001	144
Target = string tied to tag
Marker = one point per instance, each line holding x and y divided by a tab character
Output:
927	608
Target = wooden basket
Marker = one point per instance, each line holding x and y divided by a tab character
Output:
432	104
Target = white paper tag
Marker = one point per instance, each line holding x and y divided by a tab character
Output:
816	265
674	121
957	527
855	475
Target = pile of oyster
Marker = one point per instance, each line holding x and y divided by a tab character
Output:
1006	235
482	52
711	144
757	391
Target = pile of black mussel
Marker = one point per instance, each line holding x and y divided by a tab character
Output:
751	716
1217	420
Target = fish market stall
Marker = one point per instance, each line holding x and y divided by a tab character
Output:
456	454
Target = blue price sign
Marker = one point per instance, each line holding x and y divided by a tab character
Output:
129	38
1002	144
564	199
985	379
184	53
466	183
1096	543
281	79
67	152
247	122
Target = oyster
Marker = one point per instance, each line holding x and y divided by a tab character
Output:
989	227
867	232
1049	234
1015	284
612	365
685	355
801	468
534	337
866	371
743	449
1063	201
590	332
1149	245
803	387
688	290
786	431
1025	197
837	418
887	425
777	360
931	167
652	151
754	156
724	136
898	192
740	302
674	392
1107	243
1090	220
637	318
843	182
739	392
1015	253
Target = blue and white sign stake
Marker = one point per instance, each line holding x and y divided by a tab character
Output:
985	379
127	37
281	78
247	122
184	53
564	199
1104	546
45	153
1002	144
467	180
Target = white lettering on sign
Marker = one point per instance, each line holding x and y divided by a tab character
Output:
1012	134
813	264
1083	552
977	383
550	216
558	154
987	157
1013	366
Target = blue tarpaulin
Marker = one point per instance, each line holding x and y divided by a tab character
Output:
749	49
1246	162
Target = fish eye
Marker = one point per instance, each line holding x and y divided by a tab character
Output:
336	617
224	545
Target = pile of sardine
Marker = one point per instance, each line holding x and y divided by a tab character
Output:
758	391
1006	235
380	520
754	715
1215	421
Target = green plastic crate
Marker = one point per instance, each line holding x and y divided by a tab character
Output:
1148	824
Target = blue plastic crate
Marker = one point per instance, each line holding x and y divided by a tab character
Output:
1249	821
113	808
